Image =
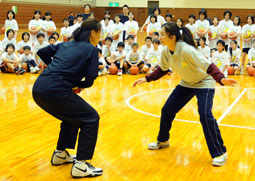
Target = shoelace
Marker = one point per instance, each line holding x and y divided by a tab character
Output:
67	153
90	166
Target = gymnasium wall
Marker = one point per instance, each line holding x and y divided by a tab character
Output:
233	4
59	2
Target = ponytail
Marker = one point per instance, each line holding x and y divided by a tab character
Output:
182	33
83	32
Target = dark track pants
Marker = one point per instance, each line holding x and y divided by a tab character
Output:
177	100
75	114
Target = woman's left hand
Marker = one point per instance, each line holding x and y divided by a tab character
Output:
229	82
77	90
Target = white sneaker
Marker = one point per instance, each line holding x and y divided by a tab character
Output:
104	71
84	169
119	72
37	69
158	145
32	69
61	157
220	160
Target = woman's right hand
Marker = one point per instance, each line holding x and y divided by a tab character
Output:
139	81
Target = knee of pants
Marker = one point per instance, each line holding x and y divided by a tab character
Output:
94	118
97	117
167	110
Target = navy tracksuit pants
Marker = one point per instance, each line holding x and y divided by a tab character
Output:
177	100
75	114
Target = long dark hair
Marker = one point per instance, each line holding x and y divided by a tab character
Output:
230	49
173	29
83	33
25	33
37	12
13	14
47	13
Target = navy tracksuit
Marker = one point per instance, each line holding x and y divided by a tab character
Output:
68	63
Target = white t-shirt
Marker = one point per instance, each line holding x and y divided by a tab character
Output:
154	27
253	28
105	31
10	24
103	23
102	60
205	51
238	30
202	25
38	46
21	44
247	29
160	19
235	54
144	50
1	47
106	52
46	25
116	28
215	32
131	26
153	56
128	48
134	57
7	41
251	55
65	32
220	60
224	26
13	56
192	28
161	47
35	23
25	58
73	27
118	54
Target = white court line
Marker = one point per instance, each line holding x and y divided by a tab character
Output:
231	106
187	121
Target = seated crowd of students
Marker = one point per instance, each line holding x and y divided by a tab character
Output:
118	45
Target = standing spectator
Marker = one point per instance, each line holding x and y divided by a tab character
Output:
71	18
124	18
87	9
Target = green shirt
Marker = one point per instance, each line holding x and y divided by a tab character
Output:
189	64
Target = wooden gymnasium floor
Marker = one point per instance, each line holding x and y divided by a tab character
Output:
129	121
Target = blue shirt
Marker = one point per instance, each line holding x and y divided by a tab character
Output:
123	19
85	16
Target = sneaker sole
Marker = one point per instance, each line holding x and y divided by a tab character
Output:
219	164
164	146
96	174
89	176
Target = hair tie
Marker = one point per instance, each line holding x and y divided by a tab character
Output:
181	31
